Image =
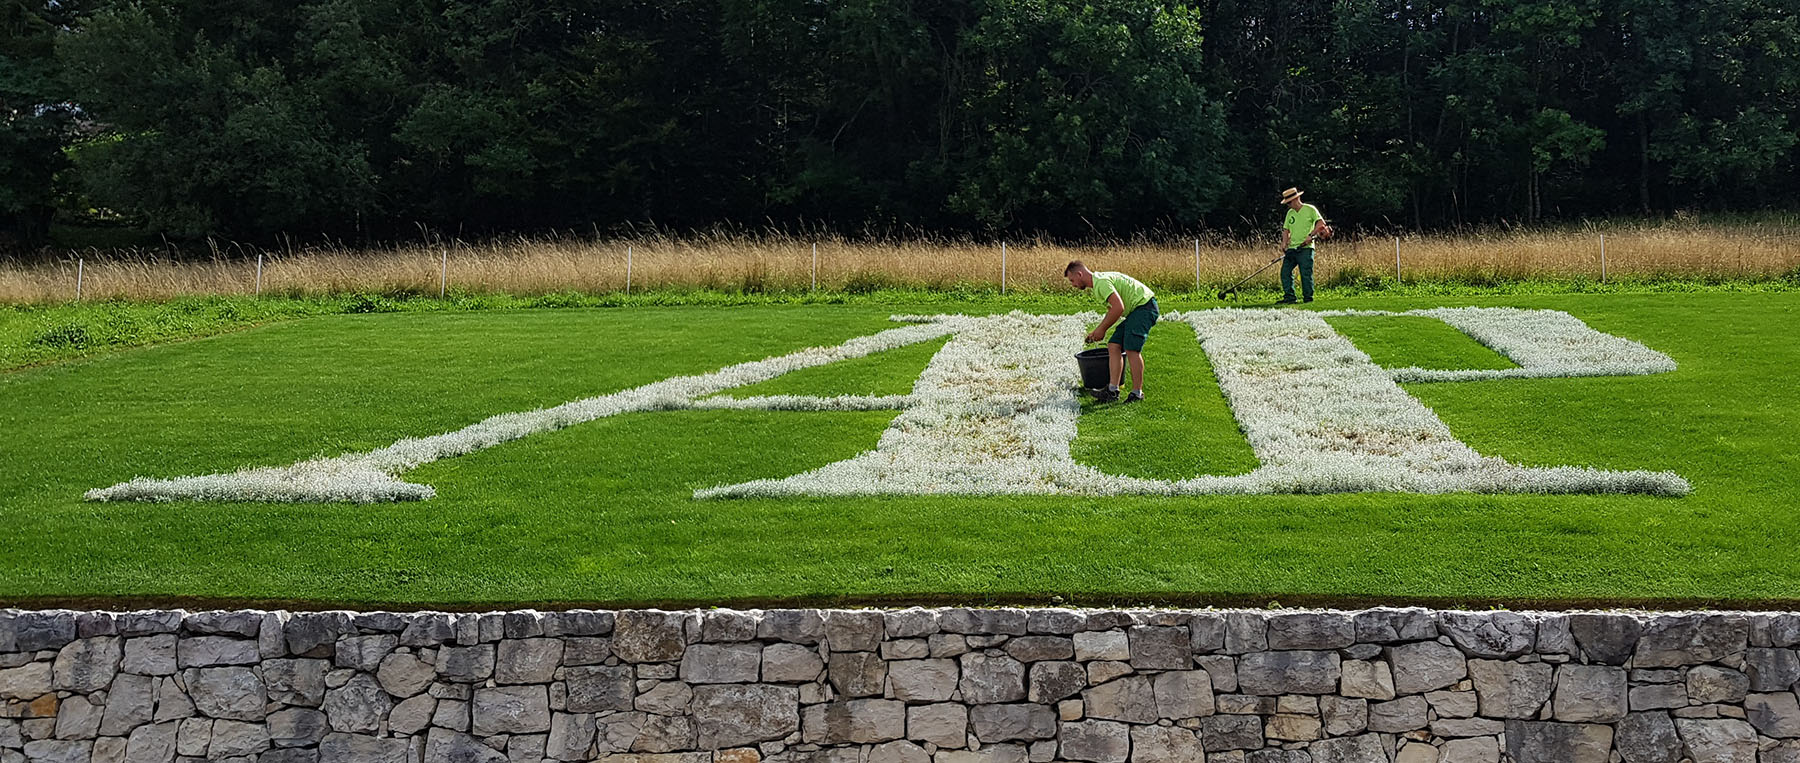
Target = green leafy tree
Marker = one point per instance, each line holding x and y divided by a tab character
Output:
37	120
1102	117
205	139
1557	142
1092	112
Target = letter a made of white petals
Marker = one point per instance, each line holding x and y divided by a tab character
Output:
995	412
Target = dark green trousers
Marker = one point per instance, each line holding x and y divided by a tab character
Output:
1301	259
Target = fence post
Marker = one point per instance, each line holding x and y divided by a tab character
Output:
443	273
1003	267
1602	258
259	272
1396	259
627	268
1196	266
80	271
815	267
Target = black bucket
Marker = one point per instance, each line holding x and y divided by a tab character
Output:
1096	367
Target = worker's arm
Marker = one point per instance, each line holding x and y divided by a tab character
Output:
1115	309
1319	227
1287	238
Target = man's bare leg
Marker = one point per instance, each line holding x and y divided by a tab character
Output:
1117	362
1136	359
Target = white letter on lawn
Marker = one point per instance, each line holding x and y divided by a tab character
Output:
995	413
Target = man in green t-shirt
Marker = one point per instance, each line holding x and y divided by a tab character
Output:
1303	226
1130	299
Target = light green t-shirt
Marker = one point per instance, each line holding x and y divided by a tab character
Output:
1132	292
1300	223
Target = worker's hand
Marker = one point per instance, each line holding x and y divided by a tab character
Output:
1096	335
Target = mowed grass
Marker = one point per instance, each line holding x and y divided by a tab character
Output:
1400	341
603	512
884	373
1183	428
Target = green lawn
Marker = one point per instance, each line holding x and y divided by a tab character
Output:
603	513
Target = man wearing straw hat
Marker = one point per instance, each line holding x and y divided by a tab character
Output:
1304	225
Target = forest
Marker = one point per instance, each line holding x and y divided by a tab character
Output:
373	119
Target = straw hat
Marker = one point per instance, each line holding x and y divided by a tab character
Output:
1291	194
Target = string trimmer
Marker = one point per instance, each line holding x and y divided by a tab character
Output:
1234	287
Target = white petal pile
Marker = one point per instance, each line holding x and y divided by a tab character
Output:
1545	343
1322	417
371	476
995	413
804	403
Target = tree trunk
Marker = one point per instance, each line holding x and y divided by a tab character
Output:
1643	163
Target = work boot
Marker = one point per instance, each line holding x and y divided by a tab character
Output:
1287	301
1308	299
1135	396
1105	395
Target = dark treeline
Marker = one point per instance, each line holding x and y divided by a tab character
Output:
367	118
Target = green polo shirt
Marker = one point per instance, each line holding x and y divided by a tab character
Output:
1300	222
1132	292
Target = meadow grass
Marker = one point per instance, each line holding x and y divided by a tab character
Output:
778	262
604	513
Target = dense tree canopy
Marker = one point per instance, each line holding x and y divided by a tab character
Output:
1105	117
36	121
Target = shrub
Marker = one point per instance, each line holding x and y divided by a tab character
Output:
369	303
865	282
68	335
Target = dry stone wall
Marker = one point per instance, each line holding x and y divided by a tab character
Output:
899	686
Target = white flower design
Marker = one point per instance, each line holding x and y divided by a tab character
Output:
1545	343
995	412
372	476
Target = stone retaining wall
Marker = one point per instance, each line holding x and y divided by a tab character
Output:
899	686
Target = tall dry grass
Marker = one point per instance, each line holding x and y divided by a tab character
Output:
786	263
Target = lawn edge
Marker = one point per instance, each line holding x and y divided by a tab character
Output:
1164	600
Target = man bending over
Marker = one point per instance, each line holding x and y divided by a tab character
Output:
1130	299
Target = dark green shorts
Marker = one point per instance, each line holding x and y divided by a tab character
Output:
1135	328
